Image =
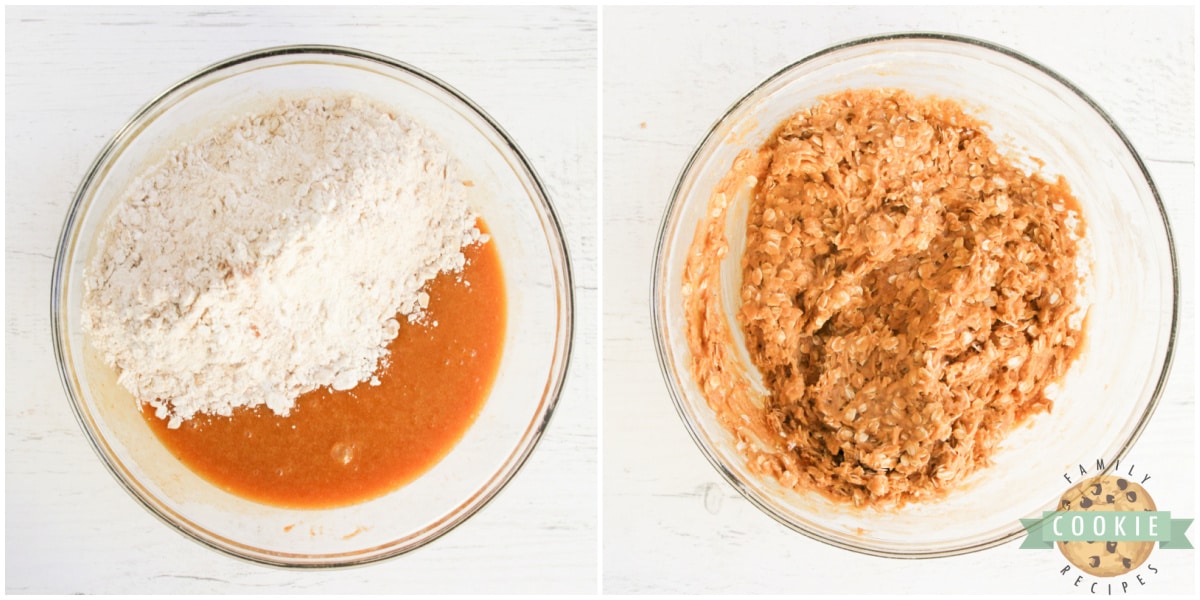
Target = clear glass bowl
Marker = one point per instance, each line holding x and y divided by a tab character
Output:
1111	391
509	196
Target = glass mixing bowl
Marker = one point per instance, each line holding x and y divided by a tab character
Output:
1112	389
506	193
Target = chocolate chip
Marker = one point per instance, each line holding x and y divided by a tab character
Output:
1110	547
1094	561
1131	496
1065	504
1126	562
1108	499
1096	489
1085	503
1121	483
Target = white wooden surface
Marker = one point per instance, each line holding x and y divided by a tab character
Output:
72	78
671	524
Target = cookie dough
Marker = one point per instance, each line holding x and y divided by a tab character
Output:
907	295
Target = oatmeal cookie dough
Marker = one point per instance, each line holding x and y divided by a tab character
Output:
907	296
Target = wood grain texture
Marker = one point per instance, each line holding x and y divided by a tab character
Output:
671	523
73	77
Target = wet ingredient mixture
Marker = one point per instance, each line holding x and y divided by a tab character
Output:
341	447
908	295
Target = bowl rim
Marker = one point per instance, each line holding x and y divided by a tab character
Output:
558	367
670	213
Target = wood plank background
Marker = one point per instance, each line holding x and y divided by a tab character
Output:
665	521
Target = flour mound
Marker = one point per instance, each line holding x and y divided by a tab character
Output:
272	257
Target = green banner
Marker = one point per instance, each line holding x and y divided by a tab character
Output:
1105	526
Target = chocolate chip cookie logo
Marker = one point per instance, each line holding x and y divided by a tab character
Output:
1107	494
1106	526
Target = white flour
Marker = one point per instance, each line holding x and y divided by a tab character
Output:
271	257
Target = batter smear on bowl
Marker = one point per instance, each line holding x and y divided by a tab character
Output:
908	296
290	258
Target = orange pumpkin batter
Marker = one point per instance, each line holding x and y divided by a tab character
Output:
339	448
